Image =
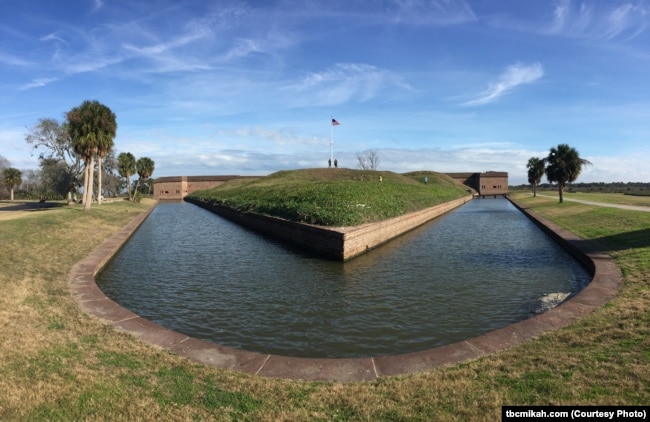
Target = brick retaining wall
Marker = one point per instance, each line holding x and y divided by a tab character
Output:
340	243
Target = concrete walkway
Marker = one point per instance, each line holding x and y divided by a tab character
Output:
602	204
604	286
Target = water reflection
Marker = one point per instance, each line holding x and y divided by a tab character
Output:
476	269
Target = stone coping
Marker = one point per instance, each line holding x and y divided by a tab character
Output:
604	286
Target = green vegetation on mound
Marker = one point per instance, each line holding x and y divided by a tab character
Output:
334	197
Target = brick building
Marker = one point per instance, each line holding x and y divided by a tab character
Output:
488	183
177	187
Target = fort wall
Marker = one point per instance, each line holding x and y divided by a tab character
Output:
493	183
170	188
339	243
485	184
178	187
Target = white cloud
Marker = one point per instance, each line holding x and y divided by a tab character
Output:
513	161
54	37
97	4
243	48
278	137
20	154
626	19
14	61
37	83
432	12
346	82
89	63
593	21
162	47
259	150
617	168
512	77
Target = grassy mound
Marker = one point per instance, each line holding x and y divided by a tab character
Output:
334	197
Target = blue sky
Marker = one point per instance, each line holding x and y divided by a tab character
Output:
250	87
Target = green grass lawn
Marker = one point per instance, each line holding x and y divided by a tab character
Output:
57	363
607	198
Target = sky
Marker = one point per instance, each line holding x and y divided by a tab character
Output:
250	87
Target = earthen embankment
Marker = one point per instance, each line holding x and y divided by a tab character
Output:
339	243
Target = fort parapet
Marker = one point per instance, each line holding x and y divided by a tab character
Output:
489	183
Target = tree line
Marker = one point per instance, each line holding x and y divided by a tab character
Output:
72	152
562	165
628	188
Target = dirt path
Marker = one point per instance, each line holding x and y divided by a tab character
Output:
602	204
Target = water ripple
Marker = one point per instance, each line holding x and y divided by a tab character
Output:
479	268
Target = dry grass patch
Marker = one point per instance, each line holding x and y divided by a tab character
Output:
11	215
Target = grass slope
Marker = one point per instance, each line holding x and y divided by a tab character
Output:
334	197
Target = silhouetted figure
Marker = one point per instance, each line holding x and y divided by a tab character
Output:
329	163
336	163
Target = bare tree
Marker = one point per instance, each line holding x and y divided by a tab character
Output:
368	160
32	184
55	145
111	180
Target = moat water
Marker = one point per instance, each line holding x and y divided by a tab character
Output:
479	268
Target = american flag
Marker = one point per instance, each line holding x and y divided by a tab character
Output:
335	123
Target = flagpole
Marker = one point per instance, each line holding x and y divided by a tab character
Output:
332	123
331	140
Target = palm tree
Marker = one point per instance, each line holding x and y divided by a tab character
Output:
536	168
92	127
126	168
103	149
563	166
13	178
145	167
